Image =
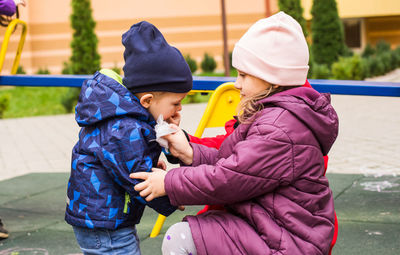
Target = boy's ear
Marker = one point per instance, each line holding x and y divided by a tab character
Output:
146	100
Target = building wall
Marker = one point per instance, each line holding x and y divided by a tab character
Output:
379	19
359	8
383	28
194	27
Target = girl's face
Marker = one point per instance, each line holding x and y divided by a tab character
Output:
249	85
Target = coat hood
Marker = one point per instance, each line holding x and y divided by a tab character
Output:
311	108
103	97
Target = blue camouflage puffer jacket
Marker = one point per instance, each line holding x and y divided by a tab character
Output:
116	139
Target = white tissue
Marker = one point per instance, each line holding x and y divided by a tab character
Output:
162	128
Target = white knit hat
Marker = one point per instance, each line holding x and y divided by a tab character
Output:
273	49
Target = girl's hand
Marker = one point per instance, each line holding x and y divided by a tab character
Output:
161	164
153	184
20	2
174	119
179	145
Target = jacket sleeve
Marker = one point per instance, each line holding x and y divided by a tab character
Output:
172	159
213	142
258	165
203	155
124	151
216	141
7	7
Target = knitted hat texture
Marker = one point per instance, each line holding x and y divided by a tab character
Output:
275	50
151	64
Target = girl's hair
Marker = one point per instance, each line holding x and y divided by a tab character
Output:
248	107
5	20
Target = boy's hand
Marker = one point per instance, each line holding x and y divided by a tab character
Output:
179	146
153	184
161	164
174	119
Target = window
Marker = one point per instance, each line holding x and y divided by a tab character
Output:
352	32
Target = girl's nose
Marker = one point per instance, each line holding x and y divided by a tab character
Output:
237	85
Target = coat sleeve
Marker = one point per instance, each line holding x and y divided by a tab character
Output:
125	151
257	165
203	154
7	7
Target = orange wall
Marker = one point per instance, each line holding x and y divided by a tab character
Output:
383	28
359	8
192	26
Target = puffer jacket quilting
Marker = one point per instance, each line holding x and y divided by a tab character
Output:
117	138
269	174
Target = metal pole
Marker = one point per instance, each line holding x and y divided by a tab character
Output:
225	38
6	39
267	8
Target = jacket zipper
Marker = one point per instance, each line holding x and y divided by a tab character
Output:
127	200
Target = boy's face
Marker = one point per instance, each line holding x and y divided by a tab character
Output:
166	103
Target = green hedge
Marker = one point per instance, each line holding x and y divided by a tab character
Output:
191	63
350	68
4	104
208	63
320	71
374	61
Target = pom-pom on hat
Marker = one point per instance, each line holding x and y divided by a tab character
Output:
151	64
275	50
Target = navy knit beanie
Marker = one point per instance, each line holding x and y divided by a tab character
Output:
151	64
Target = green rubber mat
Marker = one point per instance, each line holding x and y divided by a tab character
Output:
32	208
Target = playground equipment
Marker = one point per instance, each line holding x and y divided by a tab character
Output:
10	29
220	108
340	87
210	83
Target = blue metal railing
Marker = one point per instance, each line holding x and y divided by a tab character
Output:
343	87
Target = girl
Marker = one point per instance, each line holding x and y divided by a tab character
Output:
269	173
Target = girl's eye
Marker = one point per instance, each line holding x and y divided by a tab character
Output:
242	74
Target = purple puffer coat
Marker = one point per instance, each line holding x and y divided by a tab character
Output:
7	7
270	176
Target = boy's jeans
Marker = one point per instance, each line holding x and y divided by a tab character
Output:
104	241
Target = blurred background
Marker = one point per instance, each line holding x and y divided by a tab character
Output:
194	27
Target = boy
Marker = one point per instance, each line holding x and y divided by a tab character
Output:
117	138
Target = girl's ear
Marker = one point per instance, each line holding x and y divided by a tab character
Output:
146	100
